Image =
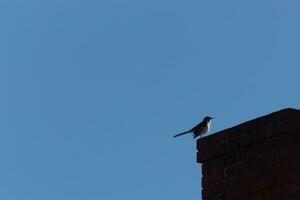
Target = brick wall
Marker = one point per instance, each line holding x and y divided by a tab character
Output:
256	160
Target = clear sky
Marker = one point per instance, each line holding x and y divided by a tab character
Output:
93	91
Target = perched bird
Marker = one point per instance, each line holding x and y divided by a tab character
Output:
199	130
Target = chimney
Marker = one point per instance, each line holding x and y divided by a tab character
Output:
256	160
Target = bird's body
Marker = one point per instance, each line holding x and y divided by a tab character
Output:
200	129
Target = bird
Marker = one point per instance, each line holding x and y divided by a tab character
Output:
200	129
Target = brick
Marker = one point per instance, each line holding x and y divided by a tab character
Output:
237	193
217	188
261	184
294	178
233	133
212	178
269	130
292	165
292	150
295	125
206	195
247	153
235	170
234	144
270	156
245	140
220	149
231	183
232	158
274	168
294	189
208	167
218	197
268	194
224	161
280	193
258	135
293	198
204	155
220	162
255	197
283	126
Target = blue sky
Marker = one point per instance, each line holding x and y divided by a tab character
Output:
93	91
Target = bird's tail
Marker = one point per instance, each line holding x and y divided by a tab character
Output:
186	132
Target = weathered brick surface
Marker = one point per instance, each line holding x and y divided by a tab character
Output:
256	160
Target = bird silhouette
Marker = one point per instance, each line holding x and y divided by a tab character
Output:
200	129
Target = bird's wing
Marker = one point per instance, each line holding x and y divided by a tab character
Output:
199	126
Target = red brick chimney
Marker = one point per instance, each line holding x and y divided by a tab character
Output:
256	160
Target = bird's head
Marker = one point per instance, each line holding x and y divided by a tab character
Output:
207	118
